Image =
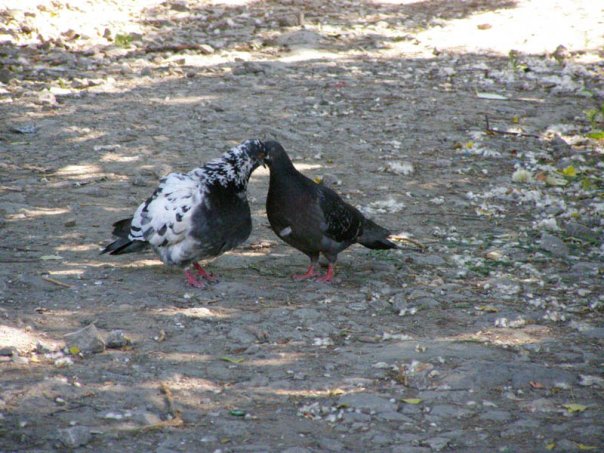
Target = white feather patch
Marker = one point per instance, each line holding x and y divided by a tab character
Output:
285	231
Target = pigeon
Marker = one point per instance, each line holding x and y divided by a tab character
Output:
196	215
313	218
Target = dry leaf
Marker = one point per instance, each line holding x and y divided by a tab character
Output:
573	407
487	308
570	171
586	447
232	359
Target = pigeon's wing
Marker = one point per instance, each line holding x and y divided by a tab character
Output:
343	223
165	218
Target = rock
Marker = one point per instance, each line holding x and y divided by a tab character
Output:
6	76
553	245
448	411
296	450
146	418
116	339
206	49
43	347
585	268
8	351
496	416
87	340
539	405
408	449
519	427
579	231
299	38
327	444
426	303
241	336
393	416
309	314
46	98
139	181
367	401
249	67
356	417
75	436
429	260
436	443
329	180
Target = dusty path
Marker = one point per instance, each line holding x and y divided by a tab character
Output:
490	341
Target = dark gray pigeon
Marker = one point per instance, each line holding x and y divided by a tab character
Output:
313	218
196	215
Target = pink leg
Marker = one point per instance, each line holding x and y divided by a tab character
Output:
328	277
192	280
310	273
204	274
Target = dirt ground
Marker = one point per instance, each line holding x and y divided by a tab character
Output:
472	126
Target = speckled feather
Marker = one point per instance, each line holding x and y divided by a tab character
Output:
199	214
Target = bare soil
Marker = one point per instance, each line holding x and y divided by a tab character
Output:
420	113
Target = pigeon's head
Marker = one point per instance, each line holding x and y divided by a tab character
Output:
256	150
275	154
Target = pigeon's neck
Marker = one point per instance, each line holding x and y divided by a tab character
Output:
285	167
232	170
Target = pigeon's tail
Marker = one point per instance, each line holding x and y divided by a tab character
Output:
121	229
375	236
124	245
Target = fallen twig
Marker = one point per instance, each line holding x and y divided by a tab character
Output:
173	48
57	282
496	131
169	399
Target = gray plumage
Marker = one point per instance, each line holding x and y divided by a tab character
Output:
313	218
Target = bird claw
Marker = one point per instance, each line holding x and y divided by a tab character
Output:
208	276
299	277
325	279
328	277
192	281
310	273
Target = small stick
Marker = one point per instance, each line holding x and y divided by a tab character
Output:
57	282
173	48
169	400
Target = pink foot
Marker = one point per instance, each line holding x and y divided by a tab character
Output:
310	273
192	280
328	277
205	274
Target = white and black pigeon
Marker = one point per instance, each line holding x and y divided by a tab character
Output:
313	218
196	215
